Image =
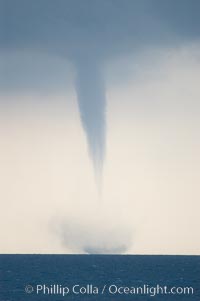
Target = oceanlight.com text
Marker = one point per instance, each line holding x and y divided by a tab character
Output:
110	290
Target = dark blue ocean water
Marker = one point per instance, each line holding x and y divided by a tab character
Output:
99	277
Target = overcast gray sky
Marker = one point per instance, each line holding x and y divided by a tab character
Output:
142	107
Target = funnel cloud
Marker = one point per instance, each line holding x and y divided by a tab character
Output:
92	105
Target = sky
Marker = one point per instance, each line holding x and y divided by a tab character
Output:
110	81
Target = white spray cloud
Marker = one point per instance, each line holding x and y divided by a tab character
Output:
96	230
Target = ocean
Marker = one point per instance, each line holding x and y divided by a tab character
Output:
99	277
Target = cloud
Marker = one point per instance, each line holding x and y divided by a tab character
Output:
89	34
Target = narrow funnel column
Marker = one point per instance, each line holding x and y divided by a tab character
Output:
92	102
